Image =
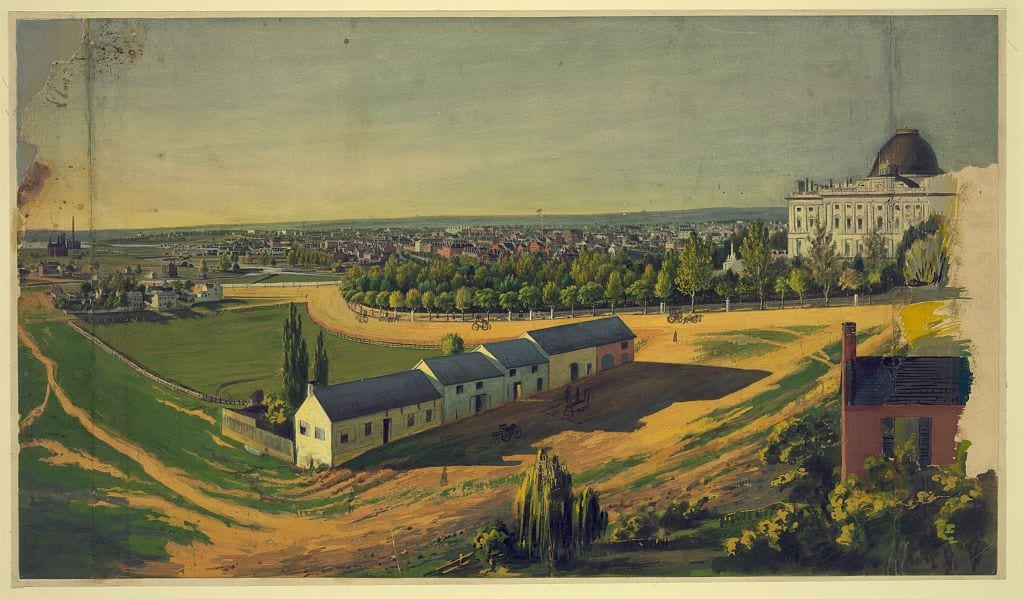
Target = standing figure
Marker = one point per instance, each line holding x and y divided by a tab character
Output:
444	476
675	336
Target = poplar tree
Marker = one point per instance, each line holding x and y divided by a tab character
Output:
320	361
824	261
295	372
757	261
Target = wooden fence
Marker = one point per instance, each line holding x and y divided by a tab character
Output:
746	516
456	564
176	386
373	341
243	429
282	284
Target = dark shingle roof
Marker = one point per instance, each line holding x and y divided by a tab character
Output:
359	398
930	380
571	337
462	368
515	353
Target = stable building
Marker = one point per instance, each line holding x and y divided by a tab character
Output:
336	423
524	366
889	401
469	383
578	350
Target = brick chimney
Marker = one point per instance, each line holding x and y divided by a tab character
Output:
849	356
310	387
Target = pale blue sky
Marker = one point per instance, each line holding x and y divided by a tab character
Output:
281	119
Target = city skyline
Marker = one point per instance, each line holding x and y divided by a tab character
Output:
390	118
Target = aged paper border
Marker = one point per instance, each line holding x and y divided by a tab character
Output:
1011	561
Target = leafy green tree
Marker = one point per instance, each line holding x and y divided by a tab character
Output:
641	290
695	269
396	300
463	300
614	291
781	287
926	260
849	279
663	288
204	269
530	298
487	299
550	296
509	301
824	261
725	285
320	361
276	409
428	299
589	521
445	302
799	280
568	298
452	343
590	295
413	301
758	267
875	260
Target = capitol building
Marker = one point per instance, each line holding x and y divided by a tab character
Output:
901	190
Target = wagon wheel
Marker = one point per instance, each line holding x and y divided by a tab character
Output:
486	326
506	435
476	326
516	432
494	435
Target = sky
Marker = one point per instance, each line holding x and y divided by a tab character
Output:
188	122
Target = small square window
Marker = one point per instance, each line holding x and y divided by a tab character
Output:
479	384
429	416
511	371
343	438
319	433
410	420
368	429
303	428
624	344
459	388
533	369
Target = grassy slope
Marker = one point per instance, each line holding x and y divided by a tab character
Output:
244	349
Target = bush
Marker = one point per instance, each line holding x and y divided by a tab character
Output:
452	343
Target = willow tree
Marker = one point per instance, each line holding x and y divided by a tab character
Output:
553	524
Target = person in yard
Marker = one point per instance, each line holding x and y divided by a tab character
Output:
444	476
675	336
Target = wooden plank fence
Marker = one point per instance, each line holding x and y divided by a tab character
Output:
176	386
282	284
746	516
372	341
456	564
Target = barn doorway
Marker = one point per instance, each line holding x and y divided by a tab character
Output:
517	391
387	430
607	361
574	371
479	402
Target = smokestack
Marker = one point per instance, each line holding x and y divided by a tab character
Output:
72	228
849	357
310	387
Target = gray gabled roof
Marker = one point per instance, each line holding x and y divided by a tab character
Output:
571	337
515	353
922	380
462	368
368	396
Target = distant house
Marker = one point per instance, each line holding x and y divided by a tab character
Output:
470	383
578	350
890	401
208	292
336	423
134	299
524	366
163	299
169	270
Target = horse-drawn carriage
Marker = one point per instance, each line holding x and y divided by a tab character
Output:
575	403
482	324
507	432
677	316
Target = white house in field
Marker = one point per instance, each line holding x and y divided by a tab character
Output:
524	366
339	422
469	383
210	291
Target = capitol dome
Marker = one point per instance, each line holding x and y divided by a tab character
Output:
906	153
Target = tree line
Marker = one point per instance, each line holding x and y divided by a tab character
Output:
596	278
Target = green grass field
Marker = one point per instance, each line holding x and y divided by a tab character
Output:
715	348
233	354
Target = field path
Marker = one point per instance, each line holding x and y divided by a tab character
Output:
36	412
166	476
